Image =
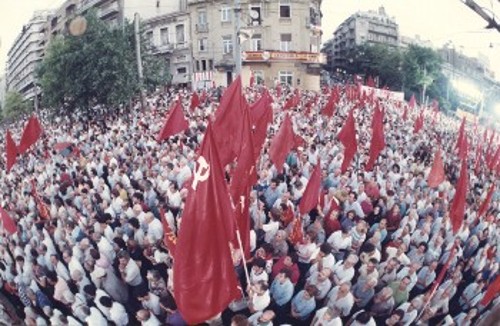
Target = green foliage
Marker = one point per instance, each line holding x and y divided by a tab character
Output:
98	67
15	105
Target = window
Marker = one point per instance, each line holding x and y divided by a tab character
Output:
286	42
203	65
255	15
179	33
197	65
210	64
259	76
285	9
227	44
203	44
164	36
256	42
202	17
181	70
286	77
225	14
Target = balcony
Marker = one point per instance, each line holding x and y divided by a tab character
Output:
163	48
109	11
201	28
87	4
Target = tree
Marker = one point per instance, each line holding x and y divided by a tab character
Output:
15	105
98	67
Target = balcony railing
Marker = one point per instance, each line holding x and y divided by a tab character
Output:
201	28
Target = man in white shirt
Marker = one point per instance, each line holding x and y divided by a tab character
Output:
146	318
343	271
155	227
327	317
340	298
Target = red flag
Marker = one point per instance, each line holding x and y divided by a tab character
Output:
442	273
311	194
242	181
436	176
252	79
10	151
227	124
412	102
347	137
282	144
31	134
176	122
461	134
169	237
457	209
297	233
494	159
329	108
419	123
204	278
261	114
486	203
378	137
195	101
491	292
7	222
463	149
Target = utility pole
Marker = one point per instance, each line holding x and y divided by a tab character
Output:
138	56
237	44
121	14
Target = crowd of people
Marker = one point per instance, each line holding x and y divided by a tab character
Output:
370	253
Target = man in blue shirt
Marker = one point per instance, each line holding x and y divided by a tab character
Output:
282	288
303	304
271	194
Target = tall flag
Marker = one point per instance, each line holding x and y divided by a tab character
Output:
412	102
227	124
282	144
261	114
378	137
491	292
461	132
204	278
7	222
347	137
169	237
195	101
311	194
419	123
457	209
10	151
176	122
329	108
494	159
486	203
436	175
32	132
243	179
464	148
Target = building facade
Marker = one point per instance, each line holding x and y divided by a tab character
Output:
368	27
25	54
280	41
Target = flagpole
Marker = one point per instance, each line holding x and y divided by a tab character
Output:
240	244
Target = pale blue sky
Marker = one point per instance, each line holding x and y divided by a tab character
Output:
437	20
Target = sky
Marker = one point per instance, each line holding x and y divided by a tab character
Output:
439	21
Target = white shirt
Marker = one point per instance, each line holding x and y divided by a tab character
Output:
260	302
152	321
270	228
153	303
96	318
132	273
338	242
344	275
320	321
155	229
344	304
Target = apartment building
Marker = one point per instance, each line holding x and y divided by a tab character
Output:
280	41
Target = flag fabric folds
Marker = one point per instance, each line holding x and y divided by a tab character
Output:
486	203
311	194
347	137
7	222
491	292
412	102
176	122
261	115
378	137
436	175
195	101
10	151
169	237
457	209
461	132
282	144
329	108
204	277
32	132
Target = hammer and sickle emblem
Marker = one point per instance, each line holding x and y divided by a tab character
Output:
201	173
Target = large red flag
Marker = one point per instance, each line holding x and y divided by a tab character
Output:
176	122
436	175
31	133
243	179
7	222
195	101
347	137
282	144
486	203
457	209
10	151
461	132
491	292
261	114
412	102
204	278
227	124
464	148
310	197
378	137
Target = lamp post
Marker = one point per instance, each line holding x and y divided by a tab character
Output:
237	44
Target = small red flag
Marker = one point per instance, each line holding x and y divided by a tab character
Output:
491	292
457	209
31	134
10	151
204	277
311	194
7	222
282	144
486	203
347	137
176	122
195	101
378	137
436	175
442	273
329	108
412	102
297	233
419	123
169	237
43	211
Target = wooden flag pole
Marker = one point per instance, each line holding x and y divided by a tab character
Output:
245	267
